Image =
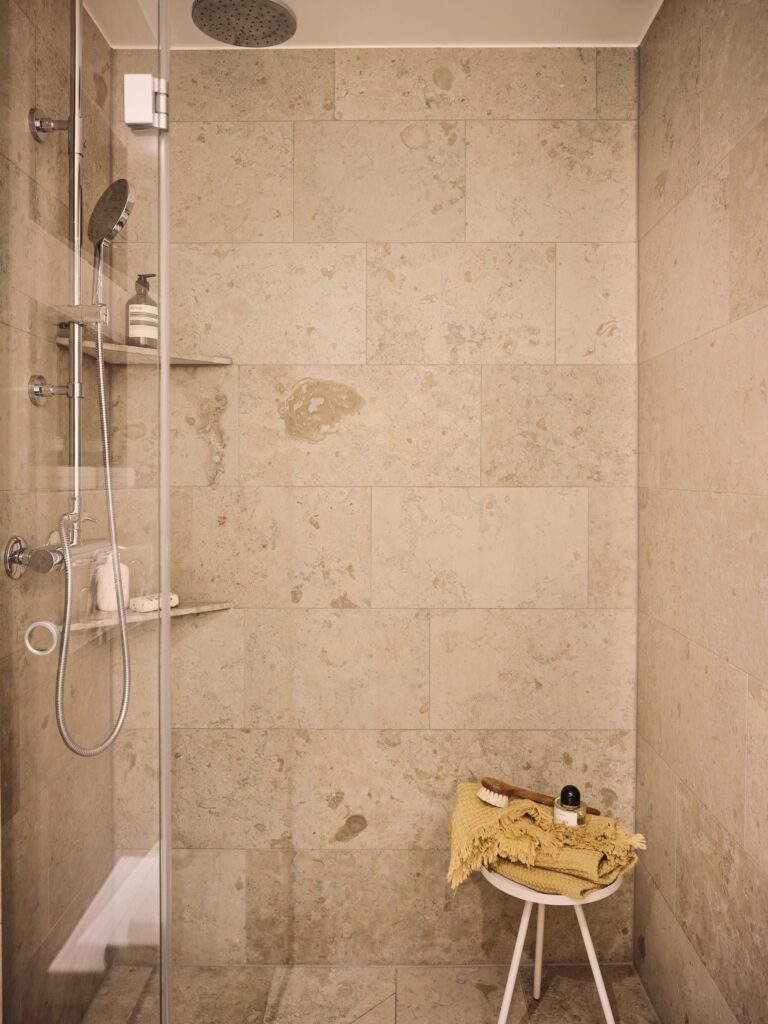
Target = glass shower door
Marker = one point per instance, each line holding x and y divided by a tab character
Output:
84	673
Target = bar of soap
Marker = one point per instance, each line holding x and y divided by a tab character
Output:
151	602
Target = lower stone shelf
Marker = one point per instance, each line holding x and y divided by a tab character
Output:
108	620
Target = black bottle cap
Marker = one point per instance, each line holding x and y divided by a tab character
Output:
570	796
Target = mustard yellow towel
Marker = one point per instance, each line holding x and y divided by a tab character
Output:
523	843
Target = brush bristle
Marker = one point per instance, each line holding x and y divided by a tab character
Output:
494	799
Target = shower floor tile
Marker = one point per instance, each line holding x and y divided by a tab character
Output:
368	995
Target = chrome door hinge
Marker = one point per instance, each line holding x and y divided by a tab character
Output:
145	102
162	93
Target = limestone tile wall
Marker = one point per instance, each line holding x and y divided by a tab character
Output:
416	484
57	834
373	476
702	894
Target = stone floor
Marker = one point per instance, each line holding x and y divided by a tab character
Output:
373	995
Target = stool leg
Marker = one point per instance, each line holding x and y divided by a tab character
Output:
539	951
517	956
594	964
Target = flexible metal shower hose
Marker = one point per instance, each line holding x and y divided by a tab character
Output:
64	523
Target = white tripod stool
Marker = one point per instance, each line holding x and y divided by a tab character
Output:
545	899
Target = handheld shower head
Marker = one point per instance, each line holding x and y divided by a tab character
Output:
255	23
111	212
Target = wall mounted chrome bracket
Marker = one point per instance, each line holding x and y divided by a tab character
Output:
83	315
14	549
39	389
40	125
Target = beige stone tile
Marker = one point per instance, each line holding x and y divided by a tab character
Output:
238	788
651	680
351	669
232	182
209	906
651	391
302	303
404	797
454	995
705	401
734	79
684	269
144	705
475	303
26	845
444	547
703	725
97	61
48	16
379	180
338	995
617	83
559	426
136	789
756	816
275	547
81	852
518	669
18	85
713	593
35	256
656	810
674	976
613	547
569	996
597	303
557	181
748	224
52	97
669	129
299	910
465	83
676	23
722	904
207	666
252	85
118	995
381	425
39	429
203	429
220	995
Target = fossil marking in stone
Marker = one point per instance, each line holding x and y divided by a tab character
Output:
353	826
314	408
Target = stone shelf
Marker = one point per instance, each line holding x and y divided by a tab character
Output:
132	355
108	620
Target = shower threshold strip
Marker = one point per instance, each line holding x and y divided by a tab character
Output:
124	355
108	621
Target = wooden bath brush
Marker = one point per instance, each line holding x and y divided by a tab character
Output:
498	794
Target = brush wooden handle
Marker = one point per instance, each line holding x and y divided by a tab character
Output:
515	793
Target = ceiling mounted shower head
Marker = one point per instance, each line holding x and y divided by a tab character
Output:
254	23
111	212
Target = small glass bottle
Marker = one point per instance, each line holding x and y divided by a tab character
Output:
569	810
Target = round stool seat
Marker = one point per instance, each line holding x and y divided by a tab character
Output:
522	892
544	900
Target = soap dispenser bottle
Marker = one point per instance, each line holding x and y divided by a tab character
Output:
142	318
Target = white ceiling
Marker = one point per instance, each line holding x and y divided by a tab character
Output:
364	23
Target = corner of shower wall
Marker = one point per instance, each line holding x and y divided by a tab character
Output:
700	935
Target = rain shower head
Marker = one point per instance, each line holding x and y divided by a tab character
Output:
256	23
111	212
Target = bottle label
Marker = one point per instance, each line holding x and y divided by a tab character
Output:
565	817
142	321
